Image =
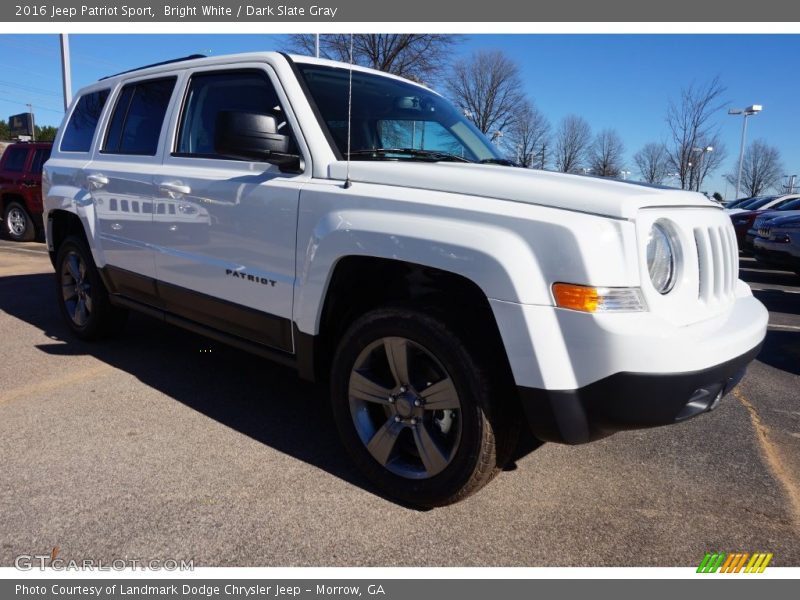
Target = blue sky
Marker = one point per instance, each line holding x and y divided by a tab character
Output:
618	81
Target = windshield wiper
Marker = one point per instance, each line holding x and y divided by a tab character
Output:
432	155
498	161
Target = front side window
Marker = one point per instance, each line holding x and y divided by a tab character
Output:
39	158
15	159
82	124
209	94
392	119
138	117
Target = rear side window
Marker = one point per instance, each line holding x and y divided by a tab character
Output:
15	159
138	117
211	93
39	158
80	130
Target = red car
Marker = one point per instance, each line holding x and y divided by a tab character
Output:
21	188
743	220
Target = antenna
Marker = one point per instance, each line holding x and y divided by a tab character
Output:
347	182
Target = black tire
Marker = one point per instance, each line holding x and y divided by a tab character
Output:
486	430
18	223
78	281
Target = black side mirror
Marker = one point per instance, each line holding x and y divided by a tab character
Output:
252	136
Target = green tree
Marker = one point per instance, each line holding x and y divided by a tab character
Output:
46	133
4	131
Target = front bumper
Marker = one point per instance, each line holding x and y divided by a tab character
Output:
629	401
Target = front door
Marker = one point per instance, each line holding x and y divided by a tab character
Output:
225	229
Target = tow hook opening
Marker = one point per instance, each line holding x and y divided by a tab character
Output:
702	400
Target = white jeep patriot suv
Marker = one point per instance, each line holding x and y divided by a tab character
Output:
443	293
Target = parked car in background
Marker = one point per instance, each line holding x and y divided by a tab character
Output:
21	189
736	202
743	222
761	203
763	218
778	243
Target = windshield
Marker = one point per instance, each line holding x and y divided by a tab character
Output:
788	204
392	119
756	203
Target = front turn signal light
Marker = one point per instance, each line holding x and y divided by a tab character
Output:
598	299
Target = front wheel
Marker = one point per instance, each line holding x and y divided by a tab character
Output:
81	295
415	408
19	225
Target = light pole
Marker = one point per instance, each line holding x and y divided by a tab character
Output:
33	124
702	152
624	175
66	71
753	109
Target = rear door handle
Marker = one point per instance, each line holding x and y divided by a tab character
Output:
174	188
96	180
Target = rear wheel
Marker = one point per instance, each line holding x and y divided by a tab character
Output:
19	225
81	295
415	408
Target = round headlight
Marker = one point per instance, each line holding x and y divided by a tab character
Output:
661	259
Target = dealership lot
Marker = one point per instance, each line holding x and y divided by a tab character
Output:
165	445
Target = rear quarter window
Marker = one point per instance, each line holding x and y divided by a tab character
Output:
82	124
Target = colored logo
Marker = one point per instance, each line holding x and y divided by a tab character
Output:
734	562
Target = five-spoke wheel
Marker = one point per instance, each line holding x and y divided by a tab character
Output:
19	225
405	407
415	409
81	295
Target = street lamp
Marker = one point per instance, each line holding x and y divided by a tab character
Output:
624	175
753	109
702	152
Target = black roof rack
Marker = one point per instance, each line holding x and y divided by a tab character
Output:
158	64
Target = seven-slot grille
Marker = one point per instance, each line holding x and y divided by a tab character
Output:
718	262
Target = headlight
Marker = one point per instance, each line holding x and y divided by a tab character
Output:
661	258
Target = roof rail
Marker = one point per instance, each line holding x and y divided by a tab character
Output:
158	64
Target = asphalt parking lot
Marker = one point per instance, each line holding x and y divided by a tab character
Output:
162	444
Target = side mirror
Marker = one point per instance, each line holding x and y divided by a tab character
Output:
252	136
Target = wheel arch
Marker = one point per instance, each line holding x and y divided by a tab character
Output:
393	282
60	225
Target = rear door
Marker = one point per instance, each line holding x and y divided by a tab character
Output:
120	181
226	235
34	178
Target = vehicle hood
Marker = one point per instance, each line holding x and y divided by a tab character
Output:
595	195
790	219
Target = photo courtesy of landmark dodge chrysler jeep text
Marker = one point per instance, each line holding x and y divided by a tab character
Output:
441	292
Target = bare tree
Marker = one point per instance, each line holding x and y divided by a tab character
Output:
573	139
605	154
488	89
761	169
652	163
691	125
529	137
420	57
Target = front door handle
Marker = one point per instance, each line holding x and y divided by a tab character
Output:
174	189
96	180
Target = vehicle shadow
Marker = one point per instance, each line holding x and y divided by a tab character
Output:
781	350
265	401
758	273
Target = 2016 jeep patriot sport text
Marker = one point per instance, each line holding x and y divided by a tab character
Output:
443	294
